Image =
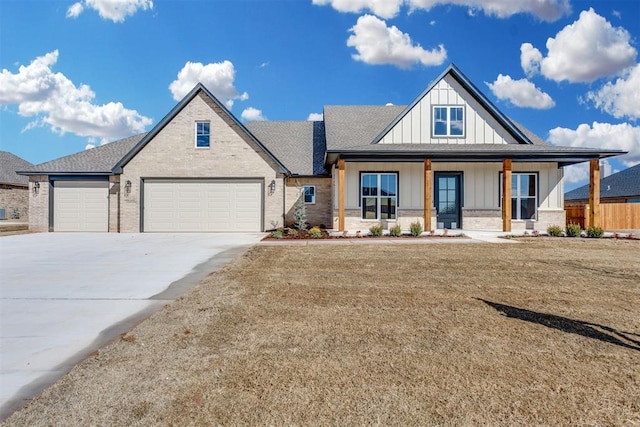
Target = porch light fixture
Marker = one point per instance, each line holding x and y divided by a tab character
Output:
127	187
272	186
36	188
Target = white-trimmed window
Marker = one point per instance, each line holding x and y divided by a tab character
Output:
379	195
203	134
309	194
524	195
448	120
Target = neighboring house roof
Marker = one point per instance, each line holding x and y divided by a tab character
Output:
301	146
625	183
199	88
94	161
9	164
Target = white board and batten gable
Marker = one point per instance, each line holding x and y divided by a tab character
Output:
416	124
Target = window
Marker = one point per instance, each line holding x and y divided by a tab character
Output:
524	195
379	195
202	134
309	194
448	121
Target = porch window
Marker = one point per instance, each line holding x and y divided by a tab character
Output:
448	121
379	195
524	195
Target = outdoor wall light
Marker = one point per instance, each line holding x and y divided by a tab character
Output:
127	187
272	186
36	188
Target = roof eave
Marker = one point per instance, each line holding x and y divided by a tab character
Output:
57	173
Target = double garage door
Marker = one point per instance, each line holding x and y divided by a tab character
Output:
202	205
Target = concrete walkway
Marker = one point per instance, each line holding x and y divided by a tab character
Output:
63	295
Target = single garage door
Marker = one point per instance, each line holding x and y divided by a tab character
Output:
81	206
202	206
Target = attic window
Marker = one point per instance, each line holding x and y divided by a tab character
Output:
202	134
448	121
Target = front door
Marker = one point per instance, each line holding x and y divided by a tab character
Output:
447	199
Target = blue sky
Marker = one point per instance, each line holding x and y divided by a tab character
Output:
77	74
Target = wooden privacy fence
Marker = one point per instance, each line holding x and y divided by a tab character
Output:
613	216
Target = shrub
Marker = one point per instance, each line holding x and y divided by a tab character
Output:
595	232
276	234
415	228
300	214
292	232
376	230
315	232
395	231
554	231
573	230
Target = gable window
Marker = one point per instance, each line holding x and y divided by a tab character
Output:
309	194
524	195
379	195
448	121
202	134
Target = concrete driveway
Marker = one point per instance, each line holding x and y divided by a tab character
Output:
62	296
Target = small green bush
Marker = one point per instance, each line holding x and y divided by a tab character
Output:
415	228
395	231
595	232
315	232
376	230
276	234
573	230
554	231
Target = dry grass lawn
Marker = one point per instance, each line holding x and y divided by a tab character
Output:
542	332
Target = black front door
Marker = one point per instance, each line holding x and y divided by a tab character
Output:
447	199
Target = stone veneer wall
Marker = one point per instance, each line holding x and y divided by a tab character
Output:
39	204
318	213
15	197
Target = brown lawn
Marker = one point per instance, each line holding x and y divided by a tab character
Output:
542	332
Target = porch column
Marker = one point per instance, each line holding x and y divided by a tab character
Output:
427	194
341	195
594	193
506	195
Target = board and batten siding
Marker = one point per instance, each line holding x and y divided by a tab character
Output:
416	127
480	180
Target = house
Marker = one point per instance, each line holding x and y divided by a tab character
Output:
442	160
14	188
620	187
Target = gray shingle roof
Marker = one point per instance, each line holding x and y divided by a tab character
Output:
98	160
625	183
353	125
9	164
300	146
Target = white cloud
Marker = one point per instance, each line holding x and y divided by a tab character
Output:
602	135
114	10
382	8
55	101
521	93
622	98
251	114
378	44
584	51
546	10
75	10
218	77
315	117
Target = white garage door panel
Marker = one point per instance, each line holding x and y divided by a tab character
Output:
81	206
194	206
